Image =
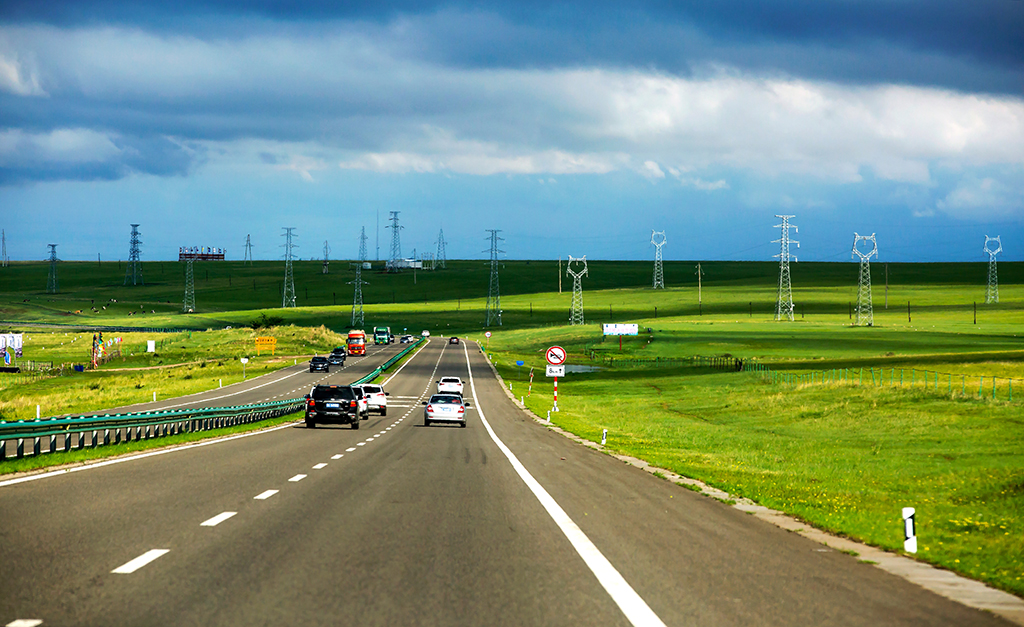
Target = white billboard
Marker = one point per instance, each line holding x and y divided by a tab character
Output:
621	329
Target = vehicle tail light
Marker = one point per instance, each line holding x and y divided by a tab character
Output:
430	408
462	409
311	403
352	403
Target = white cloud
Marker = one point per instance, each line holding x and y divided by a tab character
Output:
14	79
705	186
64	146
651	171
982	197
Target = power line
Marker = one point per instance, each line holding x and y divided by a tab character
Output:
51	280
288	291
396	242
992	290
134	270
865	313
493	294
441	259
784	304
659	274
357	296
248	251
362	245
576	308
327	253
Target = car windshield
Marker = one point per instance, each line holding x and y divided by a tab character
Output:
439	399
327	393
319	359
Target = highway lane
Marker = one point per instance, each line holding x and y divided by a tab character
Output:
413	525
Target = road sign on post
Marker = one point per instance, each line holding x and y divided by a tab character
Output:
555	355
556	371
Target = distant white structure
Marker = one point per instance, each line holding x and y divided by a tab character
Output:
576	310
865	313
992	291
659	274
404	264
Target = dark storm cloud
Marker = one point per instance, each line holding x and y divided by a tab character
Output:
970	46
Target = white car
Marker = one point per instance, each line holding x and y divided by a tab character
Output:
448	408
449	385
425	333
376	398
364	405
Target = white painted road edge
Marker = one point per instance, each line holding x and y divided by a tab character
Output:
632	605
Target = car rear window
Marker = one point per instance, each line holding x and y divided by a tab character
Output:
371	389
449	380
325	393
445	400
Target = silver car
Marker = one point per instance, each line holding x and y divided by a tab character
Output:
449	408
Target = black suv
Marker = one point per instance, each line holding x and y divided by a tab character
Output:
337	357
319	363
332	403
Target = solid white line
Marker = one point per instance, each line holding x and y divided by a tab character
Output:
140	561
218	519
319	466
163	451
338	456
262	496
632	605
217	398
297	478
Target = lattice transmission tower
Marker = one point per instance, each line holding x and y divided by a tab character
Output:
396	242
51	281
784	304
327	254
362	245
357	296
133	272
992	290
659	273
4	259
576	308
248	251
288	292
865	313
441	258
189	306
493	294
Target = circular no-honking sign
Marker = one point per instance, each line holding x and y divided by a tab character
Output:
487	334
555	355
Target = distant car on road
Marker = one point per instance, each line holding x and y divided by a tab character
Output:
449	385
406	339
332	403
337	357
319	363
425	333
453	340
376	398
449	408
364	403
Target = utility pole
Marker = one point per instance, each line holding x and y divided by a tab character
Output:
659	274
189	306
357	297
134	270
396	242
992	291
4	259
559	274
327	253
377	257
51	281
576	310
700	276
865	315
493	294
288	290
784	304
886	286
248	251
362	245
441	259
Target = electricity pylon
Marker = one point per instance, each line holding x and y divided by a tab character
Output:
576	309
248	251
133	272
493	294
189	306
659	274
992	291
51	281
784	304
4	259
357	297
441	259
865	314
396	242
362	245
288	293
327	253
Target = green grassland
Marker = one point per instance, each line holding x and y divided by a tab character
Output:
843	456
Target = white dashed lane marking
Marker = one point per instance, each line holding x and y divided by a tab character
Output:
360	444
218	519
262	496
140	561
320	466
338	456
25	622
297	478
349	450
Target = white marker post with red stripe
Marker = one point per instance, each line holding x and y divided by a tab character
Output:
556	360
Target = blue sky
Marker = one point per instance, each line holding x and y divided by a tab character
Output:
576	128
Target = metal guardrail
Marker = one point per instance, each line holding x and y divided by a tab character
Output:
78	432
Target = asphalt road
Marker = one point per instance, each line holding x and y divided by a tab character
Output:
501	523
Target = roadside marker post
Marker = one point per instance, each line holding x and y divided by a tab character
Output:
244	361
604	437
529	390
909	532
